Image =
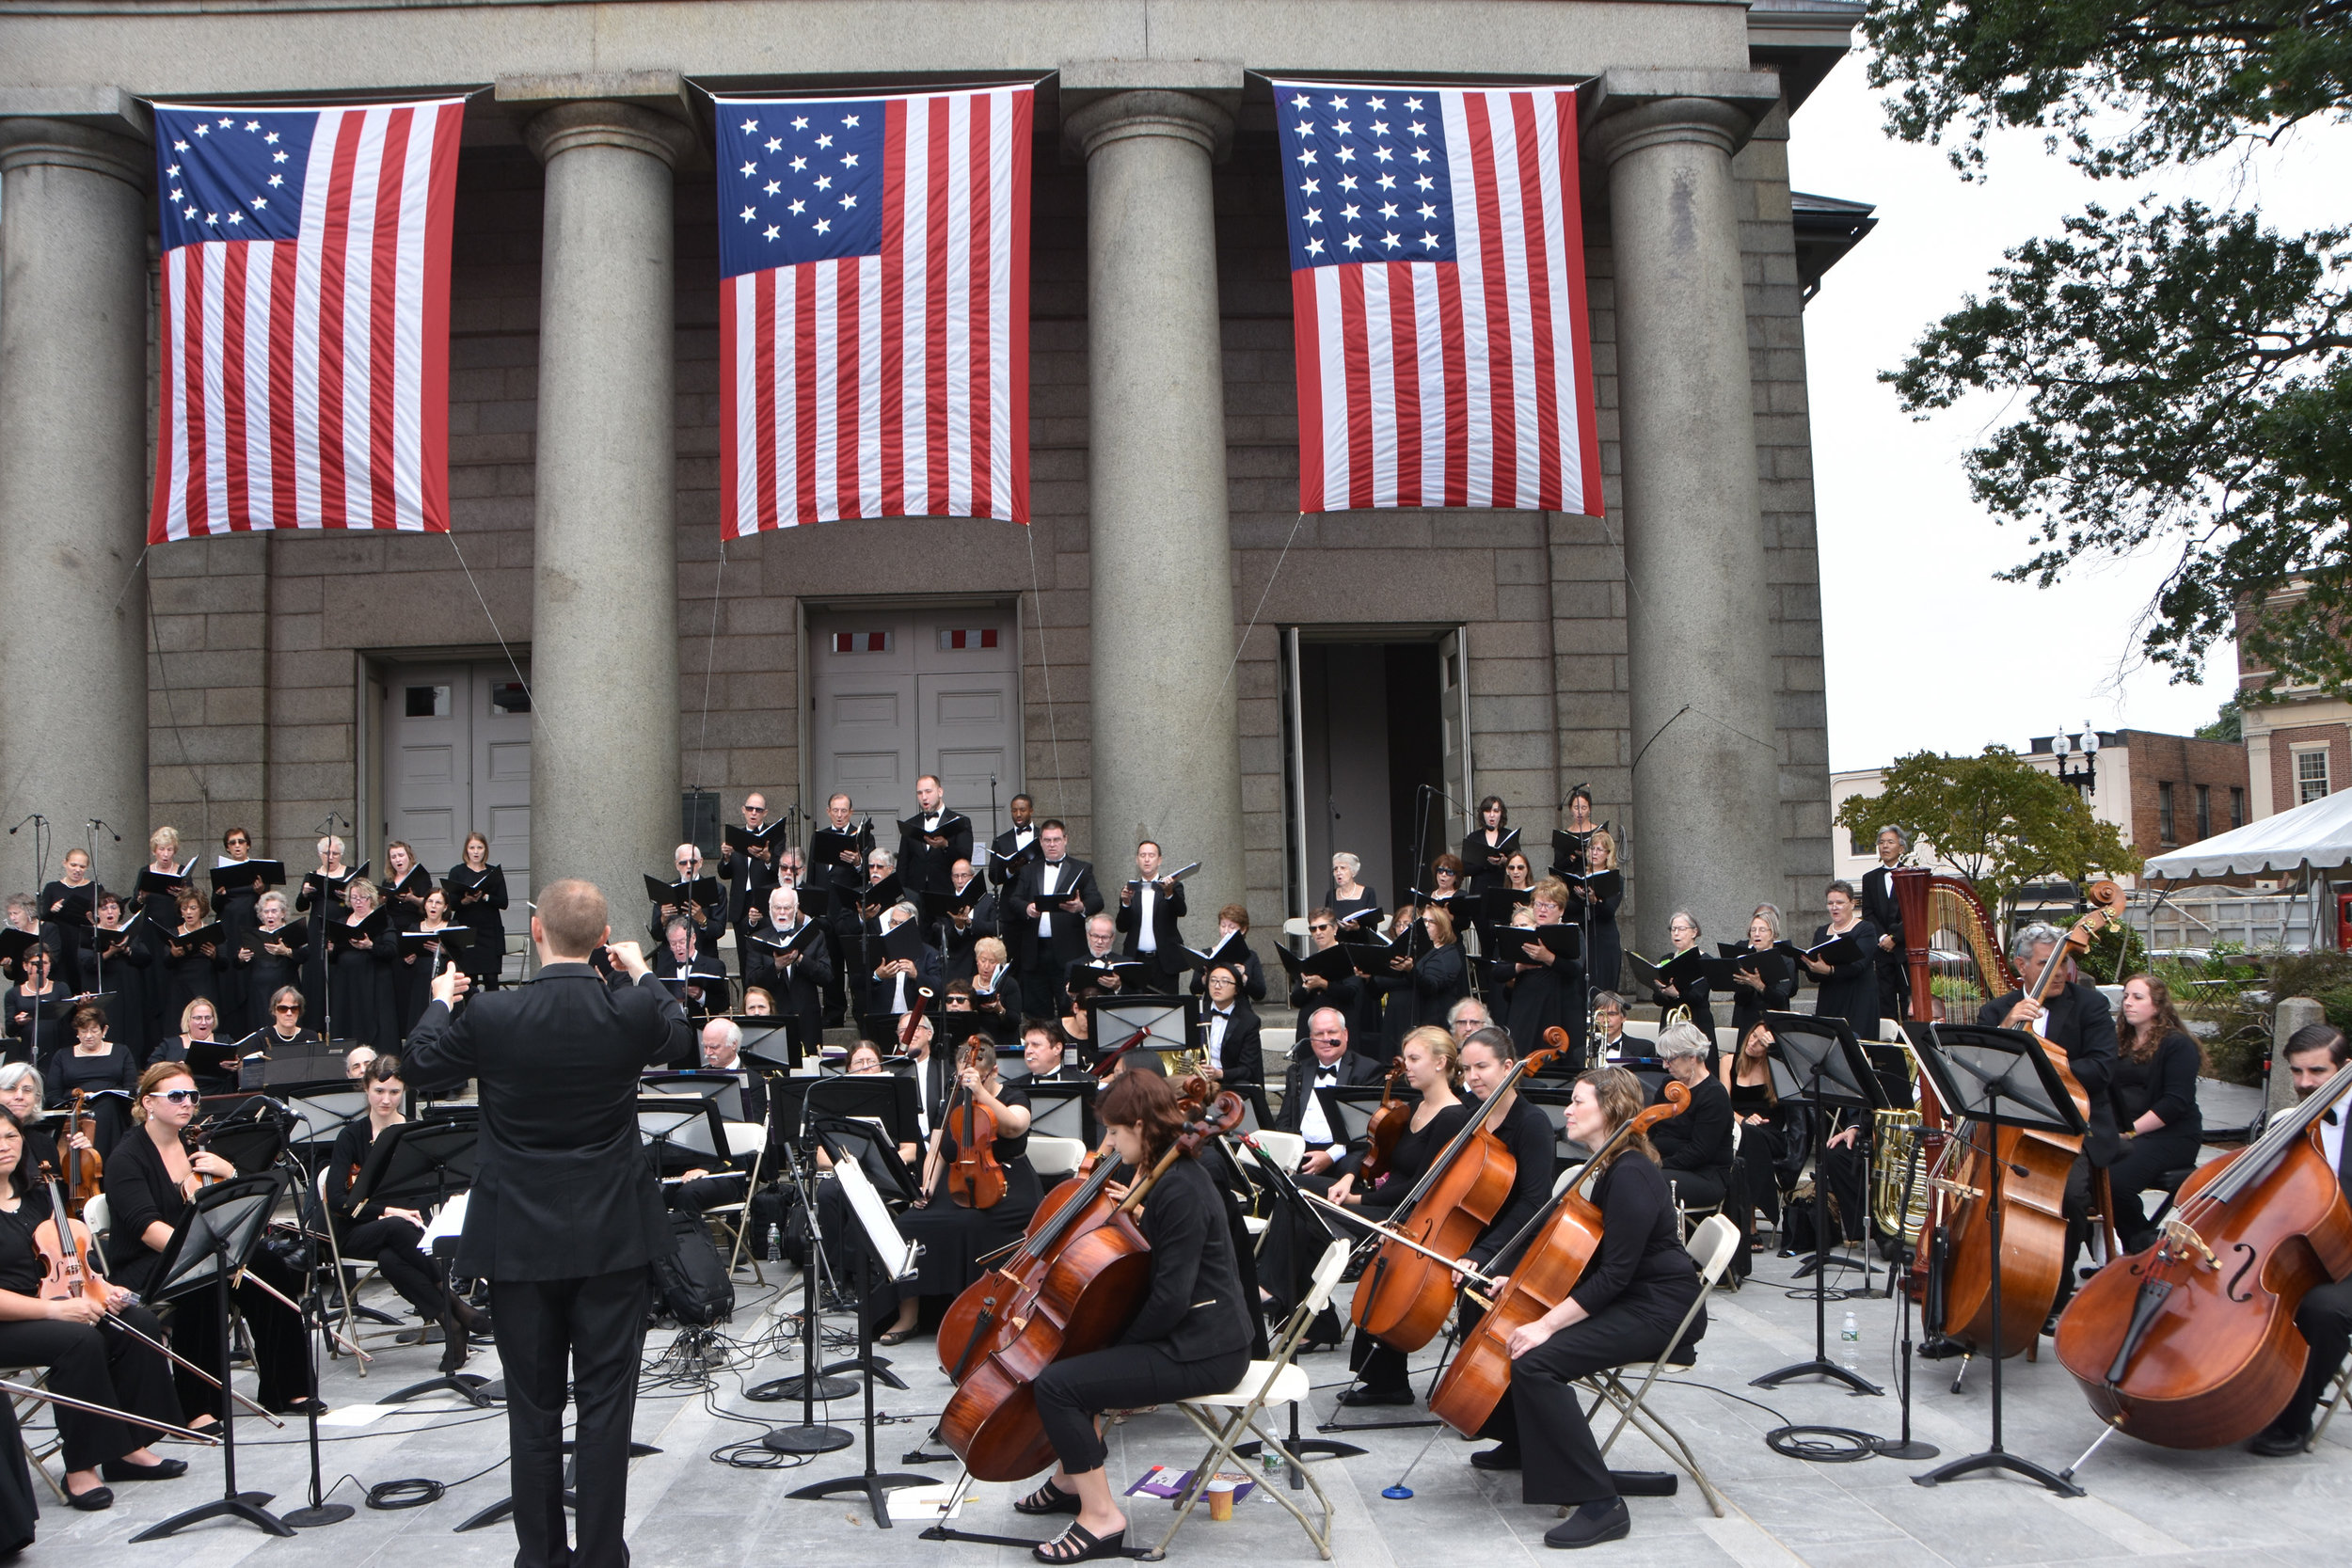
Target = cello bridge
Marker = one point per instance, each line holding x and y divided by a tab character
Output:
2180	1240
1955	1189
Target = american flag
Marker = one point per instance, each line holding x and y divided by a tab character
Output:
305	328
874	307
1438	291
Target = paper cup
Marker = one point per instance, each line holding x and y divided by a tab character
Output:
1221	1490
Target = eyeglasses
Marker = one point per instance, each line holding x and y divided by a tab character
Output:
287	1007
179	1097
1318	927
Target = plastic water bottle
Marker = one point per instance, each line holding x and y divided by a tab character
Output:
1849	1345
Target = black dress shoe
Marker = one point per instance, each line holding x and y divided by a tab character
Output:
2279	1442
96	1500
1505	1458
1591	1525
1376	1396
163	1469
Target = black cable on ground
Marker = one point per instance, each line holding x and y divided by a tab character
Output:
417	1491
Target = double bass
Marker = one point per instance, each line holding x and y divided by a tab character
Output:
2192	1343
1564	1241
1076	1281
1407	1292
2033	1194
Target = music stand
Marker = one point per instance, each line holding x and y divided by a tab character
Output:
787	1099
722	1086
1976	1071
420	1166
215	1238
770	1044
891	1100
1059	1108
683	1130
1348	1111
1816	1061
897	1253
1117	1023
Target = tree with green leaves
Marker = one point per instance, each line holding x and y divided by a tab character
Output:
1999	819
2185	374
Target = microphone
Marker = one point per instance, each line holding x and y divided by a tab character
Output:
34	818
99	822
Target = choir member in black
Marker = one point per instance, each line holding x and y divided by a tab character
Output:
1445	886
365	996
2153	1091
1348	898
270	956
698	979
1150	906
163	859
2314	1054
1768	1155
235	908
840	875
1516	871
1433	1066
952	1236
1683	931
284	1035
891	985
412	982
1102	949
1233	1049
405	886
1048	910
1848	990
120	964
1483	857
1695	1148
1421	990
708	920
393	1238
796	981
1769	987
971	919
323	896
941	838
191	969
1544	991
751	874
35	1037
65	911
148	1184
93	1063
1016	844
480	906
1881	908
1232	945
1351	993
1597	914
1626	1307
1191	1336
996	991
85	1356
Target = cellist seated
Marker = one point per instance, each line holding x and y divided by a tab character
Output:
2314	1054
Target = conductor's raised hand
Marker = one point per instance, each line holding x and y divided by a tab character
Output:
630	956
448	985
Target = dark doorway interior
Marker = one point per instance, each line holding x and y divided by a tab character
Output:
1372	737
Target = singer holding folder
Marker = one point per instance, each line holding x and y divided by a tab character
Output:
1848	988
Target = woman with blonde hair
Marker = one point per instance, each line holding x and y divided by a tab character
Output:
1596	910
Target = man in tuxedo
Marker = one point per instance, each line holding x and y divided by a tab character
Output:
934	1075
1611	1045
1018	840
1101	949
566	1215
2076	1017
968	923
936	839
1148	910
891	985
750	873
1041	1054
1327	1064
799	980
840	875
1881	909
700	978
700	1189
708	921
2314	1054
1356	1001
1049	909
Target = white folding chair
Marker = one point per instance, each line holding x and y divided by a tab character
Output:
1052	1158
1642	1029
743	1138
348	1275
1711	1247
1229	1416
27	1409
2329	1407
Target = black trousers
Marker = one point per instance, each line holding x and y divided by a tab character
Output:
1698	1189
591	1332
281	1354
396	1245
2324	1320
1559	1460
100	1363
1070	1394
2146	1160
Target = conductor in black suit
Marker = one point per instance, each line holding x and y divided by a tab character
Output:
1048	912
566	1214
1149	909
1881	909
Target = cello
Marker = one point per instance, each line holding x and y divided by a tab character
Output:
1564	1241
2033	1194
1406	1291
974	1178
1070	1288
2191	1343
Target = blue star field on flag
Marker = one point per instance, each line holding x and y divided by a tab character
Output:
233	174
1364	176
798	181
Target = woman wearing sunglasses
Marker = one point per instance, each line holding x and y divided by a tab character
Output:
151	1180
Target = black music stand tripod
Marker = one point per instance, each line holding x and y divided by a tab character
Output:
1308	1223
1976	1071
810	1436
215	1238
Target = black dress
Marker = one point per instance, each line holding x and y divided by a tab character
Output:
1477	876
190	975
1749	1006
68	938
1850	991
1763	1147
954	1236
238	912
320	901
122	965
32	1032
365	1007
113	1068
270	973
1604	948
1695	997
485	955
1531	1001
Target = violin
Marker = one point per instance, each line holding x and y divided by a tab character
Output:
85	1172
197	1140
2032	1191
1388	1122
1408	1290
63	1242
1072	1285
974	1178
1566	1237
2191	1343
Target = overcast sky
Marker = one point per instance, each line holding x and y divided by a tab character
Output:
1898	528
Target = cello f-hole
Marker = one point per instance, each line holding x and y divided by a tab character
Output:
2232	1289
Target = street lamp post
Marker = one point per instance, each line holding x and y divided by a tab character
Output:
2086	746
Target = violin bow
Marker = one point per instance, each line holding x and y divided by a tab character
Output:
178	1360
246	1276
1458	1265
19	1390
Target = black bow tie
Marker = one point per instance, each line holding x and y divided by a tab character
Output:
1220	1012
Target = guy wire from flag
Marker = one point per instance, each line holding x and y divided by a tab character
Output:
304	326
1437	297
873	307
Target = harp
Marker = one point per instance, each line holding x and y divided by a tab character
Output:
1950	946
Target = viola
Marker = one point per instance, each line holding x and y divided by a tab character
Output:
1407	1293
975	1177
1565	1239
85	1172
1388	1124
63	1242
1073	1286
2192	1344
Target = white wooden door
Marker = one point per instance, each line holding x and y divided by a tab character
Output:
895	694
862	734
458	760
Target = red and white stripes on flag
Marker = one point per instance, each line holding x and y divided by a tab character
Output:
1438	289
875	361
305	318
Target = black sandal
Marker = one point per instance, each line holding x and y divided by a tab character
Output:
1090	1547
1047	1498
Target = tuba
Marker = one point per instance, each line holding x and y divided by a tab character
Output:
1898	1172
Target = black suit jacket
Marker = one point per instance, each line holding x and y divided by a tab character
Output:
1068	944
1169	956
1354	1069
1003	845
1881	909
1243	1059
923	868
564	1191
1700	1138
929	970
749	881
2082	1023
799	986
